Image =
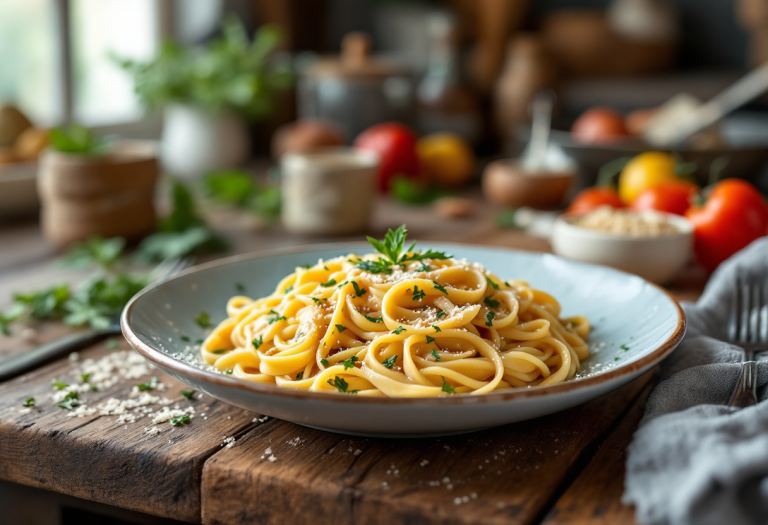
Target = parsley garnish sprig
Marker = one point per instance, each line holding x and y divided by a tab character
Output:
394	254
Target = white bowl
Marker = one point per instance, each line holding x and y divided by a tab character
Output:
657	258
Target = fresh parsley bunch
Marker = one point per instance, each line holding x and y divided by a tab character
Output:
94	302
239	189
391	247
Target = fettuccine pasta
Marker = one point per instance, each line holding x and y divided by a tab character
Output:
429	326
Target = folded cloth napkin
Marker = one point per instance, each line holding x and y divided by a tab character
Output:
693	460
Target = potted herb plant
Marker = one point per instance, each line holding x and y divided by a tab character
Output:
208	94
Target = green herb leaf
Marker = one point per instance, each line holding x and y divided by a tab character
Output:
340	328
440	287
219	351
328	284
435	355
85	377
288	289
185	338
325	363
181	421
378	266
491	283
430	339
30	402
624	347
240	287
96	251
341	385
448	389
70	401
399	330
203	320
358	291
77	140
392	248
441	314
350	363
424	268
374	319
258	342
299	376
276	319
418	295
189	394
491	303
228	372
489	318
408	191
147	386
389	363
437	328
58	385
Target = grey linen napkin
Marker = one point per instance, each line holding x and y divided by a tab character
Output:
693	460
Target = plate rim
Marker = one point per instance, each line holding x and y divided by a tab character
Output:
164	360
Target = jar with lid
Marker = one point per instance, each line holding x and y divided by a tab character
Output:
357	90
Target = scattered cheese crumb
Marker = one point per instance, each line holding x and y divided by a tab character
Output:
229	442
81	411
424	463
25	410
152	431
166	414
74	357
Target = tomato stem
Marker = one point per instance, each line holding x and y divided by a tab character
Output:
716	169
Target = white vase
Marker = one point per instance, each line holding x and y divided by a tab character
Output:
195	142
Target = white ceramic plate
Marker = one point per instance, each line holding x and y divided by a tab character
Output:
636	324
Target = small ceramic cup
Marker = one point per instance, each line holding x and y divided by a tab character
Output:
328	191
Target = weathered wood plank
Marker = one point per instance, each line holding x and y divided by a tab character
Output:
503	475
595	496
96	458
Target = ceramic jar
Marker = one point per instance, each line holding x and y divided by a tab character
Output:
109	196
195	142
328	192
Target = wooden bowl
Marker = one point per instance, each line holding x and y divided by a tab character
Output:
506	183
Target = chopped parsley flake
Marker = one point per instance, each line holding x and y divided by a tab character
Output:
240	287
318	299
437	328
441	314
329	283
299	376
219	351
198	341
340	327
148	386
491	283
228	372
113	344
399	330
258	342
424	267
189	394
624	347
276	319
325	363
289	289
430	339
341	385
389	363
506	283
203	320
326	268
184	338
615	358
305	266
374	319
70	401
491	303
350	363
297	336
440	287
180	421
358	291
418	295
58	385
30	401
435	355
489	318
85	377
448	389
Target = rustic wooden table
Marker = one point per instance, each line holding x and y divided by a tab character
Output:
564	468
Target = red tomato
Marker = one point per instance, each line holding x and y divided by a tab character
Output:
593	198
395	145
671	197
734	215
599	126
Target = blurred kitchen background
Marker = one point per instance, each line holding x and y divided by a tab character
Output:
213	85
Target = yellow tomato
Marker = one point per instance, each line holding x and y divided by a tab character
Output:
644	171
446	159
